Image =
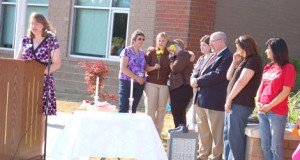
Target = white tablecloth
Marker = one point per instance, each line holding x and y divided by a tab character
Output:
110	135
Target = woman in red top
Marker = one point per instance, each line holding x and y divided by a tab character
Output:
272	98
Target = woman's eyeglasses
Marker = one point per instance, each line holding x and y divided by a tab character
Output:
141	39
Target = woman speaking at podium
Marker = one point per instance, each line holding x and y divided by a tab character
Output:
38	45
41	45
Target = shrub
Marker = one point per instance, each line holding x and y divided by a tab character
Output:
92	71
296	63
294	105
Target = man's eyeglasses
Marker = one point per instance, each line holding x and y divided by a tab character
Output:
213	41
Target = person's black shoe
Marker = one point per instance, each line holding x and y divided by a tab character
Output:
180	127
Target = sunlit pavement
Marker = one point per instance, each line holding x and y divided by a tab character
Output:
55	126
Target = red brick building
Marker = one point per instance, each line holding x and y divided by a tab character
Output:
94	23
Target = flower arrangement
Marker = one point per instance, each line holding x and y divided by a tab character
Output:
92	71
172	55
172	48
159	53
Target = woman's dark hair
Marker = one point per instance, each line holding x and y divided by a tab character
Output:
205	39
248	44
179	42
279	50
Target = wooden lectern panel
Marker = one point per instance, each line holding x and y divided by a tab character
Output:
21	100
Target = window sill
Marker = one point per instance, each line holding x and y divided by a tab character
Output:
6	49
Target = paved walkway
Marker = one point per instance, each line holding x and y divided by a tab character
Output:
55	126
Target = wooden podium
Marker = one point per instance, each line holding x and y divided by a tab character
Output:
21	100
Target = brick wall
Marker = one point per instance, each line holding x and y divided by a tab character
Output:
59	14
202	15
188	20
7	54
172	16
70	77
142	16
261	19
253	146
254	152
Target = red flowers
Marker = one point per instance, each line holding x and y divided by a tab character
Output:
92	71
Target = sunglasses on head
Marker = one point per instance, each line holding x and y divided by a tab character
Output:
242	41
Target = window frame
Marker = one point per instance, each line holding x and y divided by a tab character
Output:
111	11
14	32
111	31
1	27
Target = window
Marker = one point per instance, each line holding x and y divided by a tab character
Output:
8	9
8	20
119	27
99	27
121	3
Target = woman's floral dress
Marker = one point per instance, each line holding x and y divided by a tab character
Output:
40	54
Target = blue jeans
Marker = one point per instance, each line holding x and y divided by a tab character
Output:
124	94
234	132
271	128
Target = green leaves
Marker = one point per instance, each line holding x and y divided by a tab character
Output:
294	104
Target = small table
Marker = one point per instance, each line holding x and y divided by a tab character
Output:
110	135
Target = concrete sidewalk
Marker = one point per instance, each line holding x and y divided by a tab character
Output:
55	126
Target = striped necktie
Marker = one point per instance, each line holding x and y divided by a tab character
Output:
208	63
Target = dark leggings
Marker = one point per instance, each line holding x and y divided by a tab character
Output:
180	98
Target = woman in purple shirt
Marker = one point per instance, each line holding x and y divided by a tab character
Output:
132	66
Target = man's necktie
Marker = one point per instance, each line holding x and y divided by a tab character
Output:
208	63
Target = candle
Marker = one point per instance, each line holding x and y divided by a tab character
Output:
131	87
97	86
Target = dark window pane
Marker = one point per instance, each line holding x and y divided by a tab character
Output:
119	33
7	31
